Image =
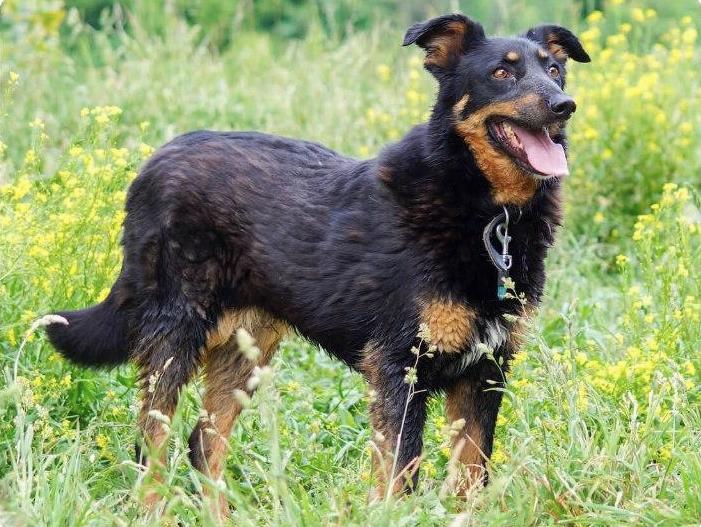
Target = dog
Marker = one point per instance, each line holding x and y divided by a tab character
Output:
418	268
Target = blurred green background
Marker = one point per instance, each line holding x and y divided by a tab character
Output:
220	20
293	18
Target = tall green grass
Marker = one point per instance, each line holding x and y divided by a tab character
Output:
601	424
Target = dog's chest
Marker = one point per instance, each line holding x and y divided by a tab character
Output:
490	337
460	335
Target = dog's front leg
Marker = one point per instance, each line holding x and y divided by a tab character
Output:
473	403
397	415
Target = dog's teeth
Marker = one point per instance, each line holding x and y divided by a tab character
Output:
511	136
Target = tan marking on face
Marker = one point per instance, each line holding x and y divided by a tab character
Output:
445	47
556	129
542	53
451	324
512	56
510	183
459	106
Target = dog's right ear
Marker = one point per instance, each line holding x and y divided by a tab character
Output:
445	39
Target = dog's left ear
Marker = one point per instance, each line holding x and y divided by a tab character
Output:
445	39
560	42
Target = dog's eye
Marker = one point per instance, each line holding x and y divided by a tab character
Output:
554	72
501	74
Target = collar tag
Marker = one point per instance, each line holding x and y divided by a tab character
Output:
499	228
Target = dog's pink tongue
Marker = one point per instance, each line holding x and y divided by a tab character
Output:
543	155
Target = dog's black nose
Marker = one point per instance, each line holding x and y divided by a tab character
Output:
563	106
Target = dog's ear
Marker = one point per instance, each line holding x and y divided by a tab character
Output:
445	39
560	42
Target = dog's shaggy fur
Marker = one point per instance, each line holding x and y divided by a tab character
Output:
228	230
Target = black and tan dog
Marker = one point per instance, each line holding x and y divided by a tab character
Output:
230	230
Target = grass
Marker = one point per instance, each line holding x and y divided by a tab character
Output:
601	423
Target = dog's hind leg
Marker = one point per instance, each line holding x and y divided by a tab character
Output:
168	354
227	372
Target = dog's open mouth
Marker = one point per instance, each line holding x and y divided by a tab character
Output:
532	149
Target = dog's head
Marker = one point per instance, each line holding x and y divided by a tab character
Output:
504	97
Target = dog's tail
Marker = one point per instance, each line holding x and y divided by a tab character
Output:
96	336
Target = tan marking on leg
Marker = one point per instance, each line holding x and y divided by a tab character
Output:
225	371
510	183
222	332
382	448
382	454
451	324
467	467
228	370
369	364
383	440
384	444
160	387
154	423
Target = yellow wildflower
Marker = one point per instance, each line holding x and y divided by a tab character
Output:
383	72
30	157
145	150
595	16
102	441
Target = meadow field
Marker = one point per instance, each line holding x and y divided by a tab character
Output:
601	423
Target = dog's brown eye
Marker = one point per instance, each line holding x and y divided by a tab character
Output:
554	72
501	74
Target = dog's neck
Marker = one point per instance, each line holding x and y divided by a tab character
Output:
448	202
